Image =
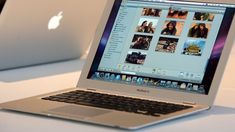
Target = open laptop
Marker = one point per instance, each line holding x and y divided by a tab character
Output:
150	62
35	31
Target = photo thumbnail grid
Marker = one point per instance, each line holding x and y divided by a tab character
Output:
170	34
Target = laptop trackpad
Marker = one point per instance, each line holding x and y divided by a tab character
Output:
78	111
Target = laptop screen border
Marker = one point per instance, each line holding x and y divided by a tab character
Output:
139	90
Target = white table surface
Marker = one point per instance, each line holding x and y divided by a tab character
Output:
27	82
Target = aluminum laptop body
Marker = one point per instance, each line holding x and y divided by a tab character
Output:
35	32
170	51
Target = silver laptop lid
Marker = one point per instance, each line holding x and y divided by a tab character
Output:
28	38
172	50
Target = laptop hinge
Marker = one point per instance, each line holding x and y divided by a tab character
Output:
189	103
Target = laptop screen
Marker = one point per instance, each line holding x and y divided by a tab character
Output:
171	45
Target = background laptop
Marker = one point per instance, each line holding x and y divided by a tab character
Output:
150	62
27	37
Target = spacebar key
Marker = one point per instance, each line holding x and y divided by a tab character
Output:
94	105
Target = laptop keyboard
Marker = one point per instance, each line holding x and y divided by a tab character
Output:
120	103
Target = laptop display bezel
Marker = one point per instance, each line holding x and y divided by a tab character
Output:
161	94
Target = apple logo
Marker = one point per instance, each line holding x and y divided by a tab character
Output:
55	21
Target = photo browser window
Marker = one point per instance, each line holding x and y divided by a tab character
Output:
166	45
